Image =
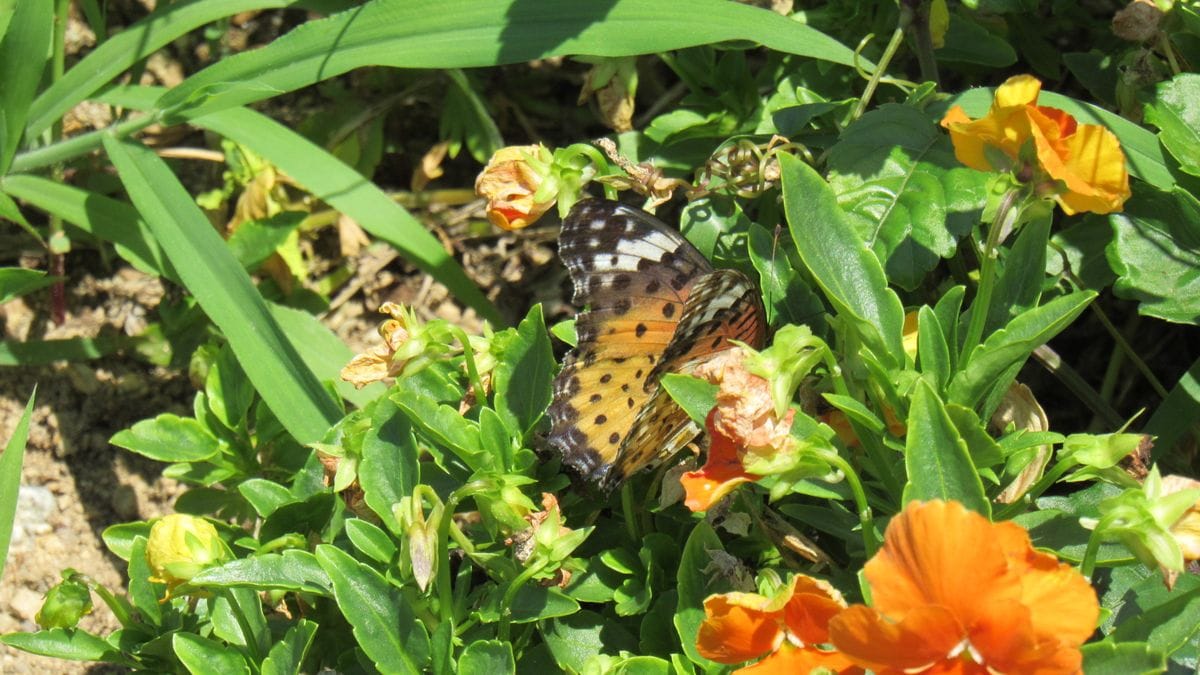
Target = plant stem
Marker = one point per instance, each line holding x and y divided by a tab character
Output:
1088	565
924	41
1128	349
627	511
444	588
251	641
880	69
876	453
860	502
76	146
1006	214
1071	378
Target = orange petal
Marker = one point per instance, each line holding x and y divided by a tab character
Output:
926	637
1063	605
1017	91
1096	158
790	659
1006	641
813	604
721	473
733	633
931	552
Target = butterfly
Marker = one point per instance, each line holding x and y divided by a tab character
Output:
655	305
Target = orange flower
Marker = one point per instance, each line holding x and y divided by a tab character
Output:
1085	158
955	593
721	473
785	629
515	184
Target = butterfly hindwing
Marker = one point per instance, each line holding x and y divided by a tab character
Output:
637	278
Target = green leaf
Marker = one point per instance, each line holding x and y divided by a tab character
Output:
169	438
132	44
24	50
225	293
384	624
10	477
487	656
1165	286
202	656
575	639
292	570
45	352
968	42
120	538
1020	284
1125	658
287	655
524	374
850	275
1175	113
303	517
69	644
228	390
1164	619
906	196
17	281
370	540
256	240
531	603
933	353
265	495
1177	414
466	119
565	331
1143	154
695	582
143	593
1081	246
939	466
465	34
694	395
388	470
1011	346
250	628
323	352
786	297
98	215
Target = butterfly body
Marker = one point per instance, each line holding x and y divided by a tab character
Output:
655	305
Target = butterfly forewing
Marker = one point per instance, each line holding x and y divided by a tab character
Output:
637	278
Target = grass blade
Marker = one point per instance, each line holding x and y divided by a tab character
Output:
23	53
225	292
10	478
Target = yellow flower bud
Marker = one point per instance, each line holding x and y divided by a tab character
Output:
181	546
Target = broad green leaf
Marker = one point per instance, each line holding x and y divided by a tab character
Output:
69	644
850	275
384	624
1143	154
202	656
305	517
523	376
1020	284
265	495
290	571
695	581
388	470
1165	286
575	639
531	603
969	42
786	297
120	538
906	196
287	655
487	656
143	593
228	390
132	44
370	540
1126	658
17	281
24	50
565	331
1081	246
250	628
10	477
96	214
256	240
465	34
1177	414
694	395
1056	525
225	292
1175	113
1164	619
939	466
1011	346
169	438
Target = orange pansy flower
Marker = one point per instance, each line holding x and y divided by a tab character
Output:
1086	158
512	183
721	473
955	593
786	629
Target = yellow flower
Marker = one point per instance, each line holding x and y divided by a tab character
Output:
1085	159
180	547
514	182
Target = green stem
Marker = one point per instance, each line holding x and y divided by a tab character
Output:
445	590
627	511
251	641
1006	215
876	453
924	42
76	146
880	69
1088	564
472	370
1127	349
1049	478
860	502
120	606
509	594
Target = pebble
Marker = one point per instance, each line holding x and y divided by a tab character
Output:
26	603
35	505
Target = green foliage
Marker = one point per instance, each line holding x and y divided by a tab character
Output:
423	526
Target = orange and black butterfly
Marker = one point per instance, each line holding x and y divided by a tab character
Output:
655	305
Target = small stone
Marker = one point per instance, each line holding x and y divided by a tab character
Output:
125	502
26	603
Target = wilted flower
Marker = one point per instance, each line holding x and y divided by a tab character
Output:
409	345
745	410
547	543
1043	144
953	592
1020	408
519	185
180	547
721	473
421	531
786	630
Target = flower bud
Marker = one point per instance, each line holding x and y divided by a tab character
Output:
65	604
181	546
